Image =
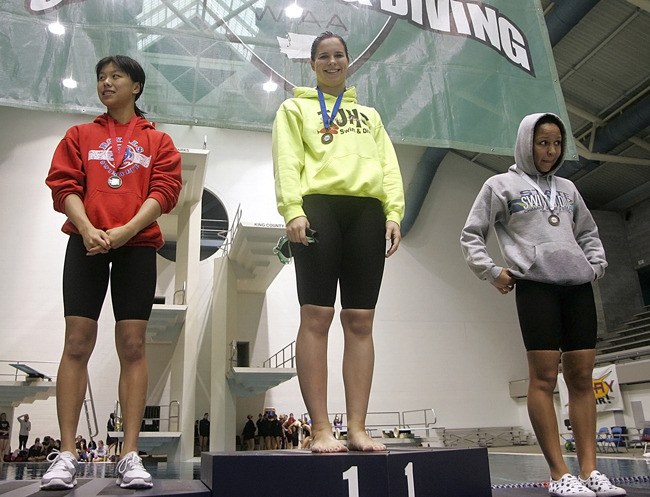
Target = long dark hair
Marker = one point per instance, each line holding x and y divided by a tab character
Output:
130	67
323	36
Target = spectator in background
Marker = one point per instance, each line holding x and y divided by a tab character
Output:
100	454
275	427
36	452
294	435
4	435
260	430
204	433
25	427
111	426
48	445
82	449
306	434
248	433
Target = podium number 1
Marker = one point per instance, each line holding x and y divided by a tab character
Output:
408	471
352	476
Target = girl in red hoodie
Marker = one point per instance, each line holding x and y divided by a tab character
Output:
112	178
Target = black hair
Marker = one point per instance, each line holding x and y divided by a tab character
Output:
323	36
551	119
129	66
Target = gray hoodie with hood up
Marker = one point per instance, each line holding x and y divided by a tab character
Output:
570	253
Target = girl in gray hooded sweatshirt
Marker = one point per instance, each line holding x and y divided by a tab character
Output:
549	242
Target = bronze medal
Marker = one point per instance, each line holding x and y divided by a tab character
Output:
553	220
327	138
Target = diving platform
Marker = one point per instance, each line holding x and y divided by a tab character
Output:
26	385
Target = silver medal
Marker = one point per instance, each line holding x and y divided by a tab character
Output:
114	181
553	220
327	138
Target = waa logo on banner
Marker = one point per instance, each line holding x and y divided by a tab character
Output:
472	20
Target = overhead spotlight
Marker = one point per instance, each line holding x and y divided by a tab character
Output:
56	28
293	11
69	83
270	86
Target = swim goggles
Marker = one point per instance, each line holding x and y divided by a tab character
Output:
283	247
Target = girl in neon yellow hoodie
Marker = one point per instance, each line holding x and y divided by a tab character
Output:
336	173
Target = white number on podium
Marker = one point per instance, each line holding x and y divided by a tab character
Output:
408	471
352	476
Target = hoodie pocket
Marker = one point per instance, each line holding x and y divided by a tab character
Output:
107	210
561	263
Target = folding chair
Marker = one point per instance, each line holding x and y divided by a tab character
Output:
645	438
604	441
619	437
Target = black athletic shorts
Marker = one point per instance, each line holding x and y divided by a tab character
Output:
132	272
351	251
556	317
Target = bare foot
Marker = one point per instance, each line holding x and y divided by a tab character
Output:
362	442
323	443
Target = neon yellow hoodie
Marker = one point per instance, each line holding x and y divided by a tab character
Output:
359	162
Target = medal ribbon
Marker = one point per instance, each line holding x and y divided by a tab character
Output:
549	201
328	120
118	155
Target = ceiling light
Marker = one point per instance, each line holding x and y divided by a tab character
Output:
293	11
56	28
270	86
69	83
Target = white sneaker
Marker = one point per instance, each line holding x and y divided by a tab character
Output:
131	472
600	484
62	472
569	485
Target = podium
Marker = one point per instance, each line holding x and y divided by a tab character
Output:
420	472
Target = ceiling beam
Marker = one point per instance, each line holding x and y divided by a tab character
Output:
640	143
618	159
577	111
642	4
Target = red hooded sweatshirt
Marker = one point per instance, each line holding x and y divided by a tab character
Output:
83	163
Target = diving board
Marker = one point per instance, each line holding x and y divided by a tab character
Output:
30	371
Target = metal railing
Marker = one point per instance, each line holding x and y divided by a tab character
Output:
173	417
213	229
91	414
415	420
419	419
285	358
232	231
182	292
